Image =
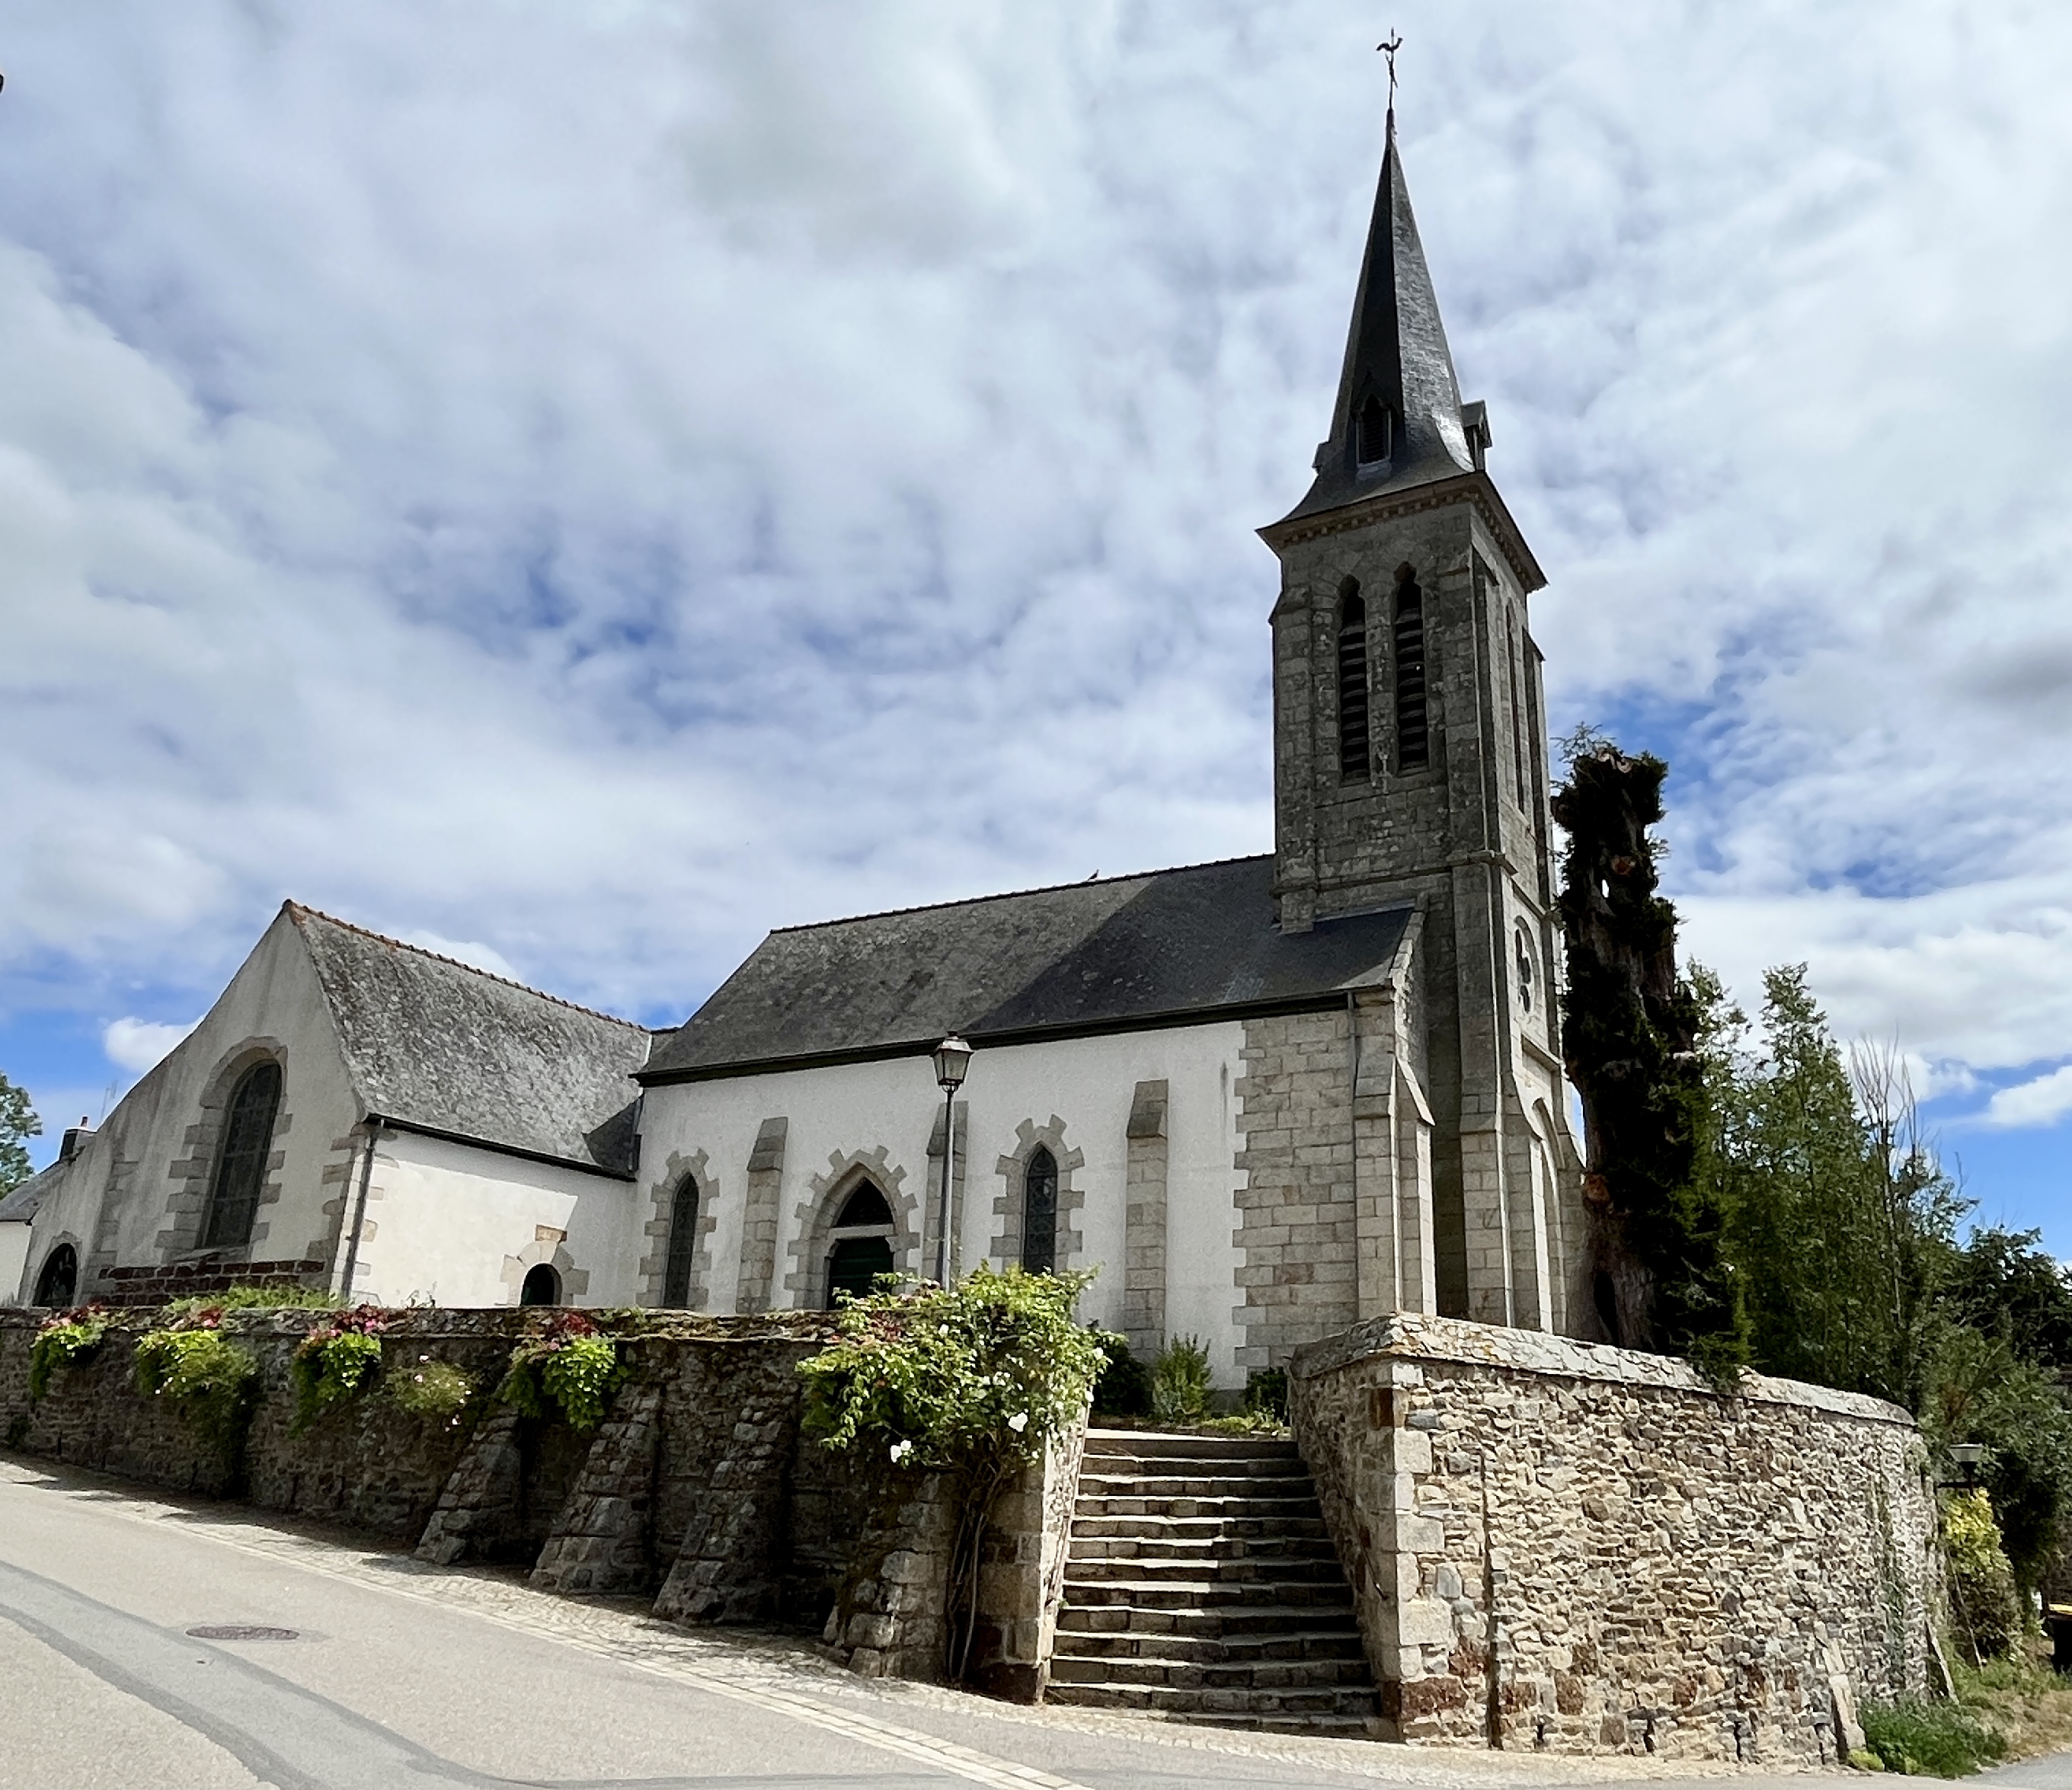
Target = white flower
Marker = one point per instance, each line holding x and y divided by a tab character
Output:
900	1452
1018	1422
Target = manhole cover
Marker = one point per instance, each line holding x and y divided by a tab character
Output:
241	1631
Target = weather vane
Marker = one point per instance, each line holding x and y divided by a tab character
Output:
1388	47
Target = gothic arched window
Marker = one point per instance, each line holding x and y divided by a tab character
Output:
241	1168
1413	743
1039	1212
542	1285
862	1236
683	1245
58	1284
1354	758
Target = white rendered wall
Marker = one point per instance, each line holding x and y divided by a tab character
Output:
14	1261
117	1187
449	1223
838	1113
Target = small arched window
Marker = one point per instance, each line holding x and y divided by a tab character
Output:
58	1284
1376	432
1039	1212
542	1285
683	1245
240	1167
862	1234
1524	971
1353	755
1413	741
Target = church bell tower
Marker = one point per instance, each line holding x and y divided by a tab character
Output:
1410	770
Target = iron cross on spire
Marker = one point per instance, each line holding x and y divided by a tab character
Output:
1388	47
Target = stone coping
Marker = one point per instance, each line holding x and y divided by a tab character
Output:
1414	1336
430	1321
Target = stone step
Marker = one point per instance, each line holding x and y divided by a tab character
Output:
1196	1594
1269	1546
1219	1569
1232	1623
1167	1444
1196	1482
1276	1675
1211	1528
1217	1505
1294	1642
1302	1707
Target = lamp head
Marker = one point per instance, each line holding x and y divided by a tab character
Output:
951	1058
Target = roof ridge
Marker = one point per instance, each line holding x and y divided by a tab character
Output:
299	909
1014	894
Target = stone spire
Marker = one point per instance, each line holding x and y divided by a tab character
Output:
1400	421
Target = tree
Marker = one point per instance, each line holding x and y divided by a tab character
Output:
17	1121
2004	1283
1653	1255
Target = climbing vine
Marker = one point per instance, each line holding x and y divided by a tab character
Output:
971	1380
64	1338
568	1364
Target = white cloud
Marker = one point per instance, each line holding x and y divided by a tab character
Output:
2042	1102
556	487
470	951
141	1044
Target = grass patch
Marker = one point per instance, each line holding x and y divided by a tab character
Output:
2021	1700
1933	1740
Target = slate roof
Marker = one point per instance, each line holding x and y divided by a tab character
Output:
1397	350
441	1047
1120	954
21	1203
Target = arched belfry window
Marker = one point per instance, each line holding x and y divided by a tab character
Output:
1413	743
1375	432
862	1234
1039	1212
58	1284
240	1167
1354	752
683	1245
542	1285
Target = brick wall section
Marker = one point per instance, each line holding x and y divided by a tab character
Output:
1563	1544
1296	1226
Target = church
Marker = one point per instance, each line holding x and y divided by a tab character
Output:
1263	1097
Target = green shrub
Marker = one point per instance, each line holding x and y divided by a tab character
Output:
1180	1381
284	1297
1266	1389
1985	1610
1936	1740
436	1390
336	1362
64	1338
1124	1388
970	1380
1244	1423
208	1377
569	1364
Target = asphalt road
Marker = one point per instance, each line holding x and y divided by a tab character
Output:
381	1674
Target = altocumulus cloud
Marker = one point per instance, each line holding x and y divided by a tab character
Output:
596	482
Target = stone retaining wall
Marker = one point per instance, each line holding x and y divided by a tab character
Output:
1560	1545
698	1489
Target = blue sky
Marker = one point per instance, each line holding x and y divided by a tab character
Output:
582	484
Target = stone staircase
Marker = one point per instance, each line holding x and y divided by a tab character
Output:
1201	1586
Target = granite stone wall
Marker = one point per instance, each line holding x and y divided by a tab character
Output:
698	1489
1564	1545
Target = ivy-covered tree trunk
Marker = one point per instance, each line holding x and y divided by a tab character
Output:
1653	1258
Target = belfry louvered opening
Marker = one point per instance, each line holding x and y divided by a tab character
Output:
1355	754
1413	746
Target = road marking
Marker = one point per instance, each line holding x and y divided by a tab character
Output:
943	1755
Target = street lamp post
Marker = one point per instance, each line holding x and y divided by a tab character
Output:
951	1057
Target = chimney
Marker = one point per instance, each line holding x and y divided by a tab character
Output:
75	1139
